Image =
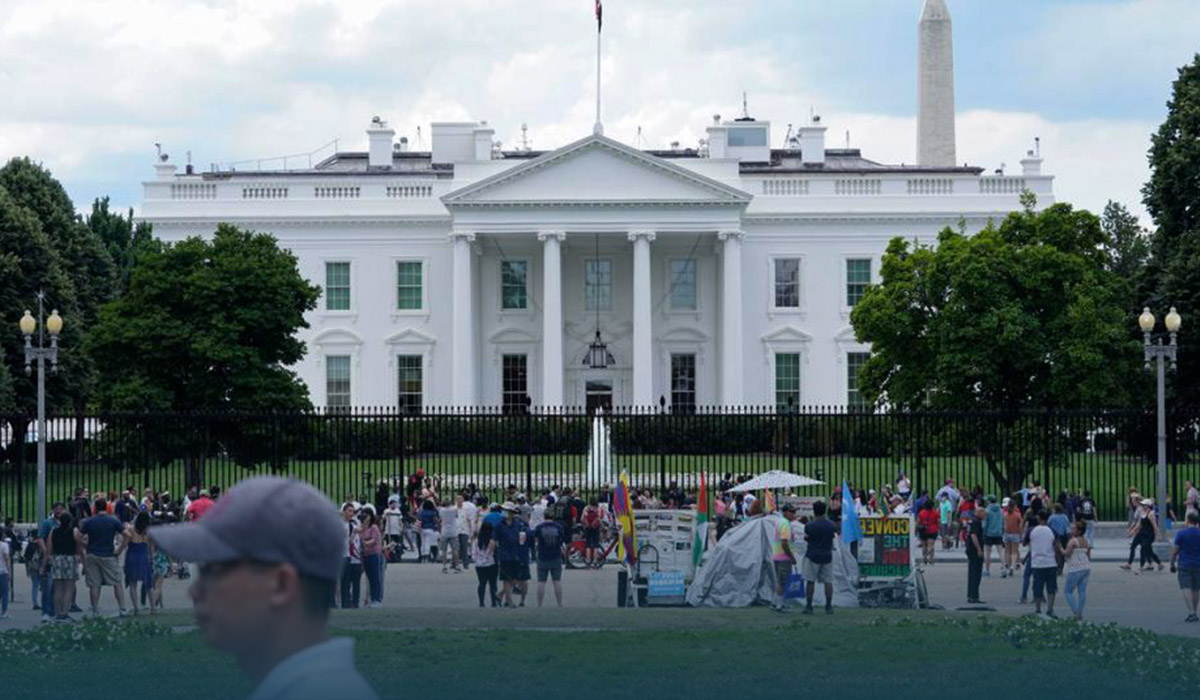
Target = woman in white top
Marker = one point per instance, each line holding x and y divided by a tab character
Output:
483	552
1077	565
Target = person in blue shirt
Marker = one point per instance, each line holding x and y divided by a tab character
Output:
45	582
548	538
512	535
818	557
1186	553
993	532
1061	527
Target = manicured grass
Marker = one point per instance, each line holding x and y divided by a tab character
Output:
850	655
1108	476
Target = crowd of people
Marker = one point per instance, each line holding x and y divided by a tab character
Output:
509	539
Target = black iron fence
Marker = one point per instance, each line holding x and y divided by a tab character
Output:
347	453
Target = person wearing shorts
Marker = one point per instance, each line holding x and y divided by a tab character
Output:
510	532
1186	554
101	565
548	539
782	557
1043	560
818	557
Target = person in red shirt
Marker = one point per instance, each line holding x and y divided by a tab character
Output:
929	521
198	507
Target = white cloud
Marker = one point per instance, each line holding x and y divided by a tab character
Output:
90	85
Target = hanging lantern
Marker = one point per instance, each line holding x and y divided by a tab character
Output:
598	356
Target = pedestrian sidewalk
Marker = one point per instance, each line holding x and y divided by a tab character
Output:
1103	550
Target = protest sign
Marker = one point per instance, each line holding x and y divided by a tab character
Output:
885	550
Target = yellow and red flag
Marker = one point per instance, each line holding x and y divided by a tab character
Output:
623	511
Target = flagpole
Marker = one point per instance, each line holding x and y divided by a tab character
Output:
599	128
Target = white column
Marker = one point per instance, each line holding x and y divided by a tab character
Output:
731	318
643	352
463	364
552	317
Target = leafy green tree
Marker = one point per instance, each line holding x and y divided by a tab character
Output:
1128	244
212	325
208	326
1020	317
1172	196
85	260
28	263
124	238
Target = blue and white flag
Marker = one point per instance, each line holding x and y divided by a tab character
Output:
851	531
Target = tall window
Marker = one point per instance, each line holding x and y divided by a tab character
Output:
597	285
683	285
858	278
787	283
514	383
855	401
337	381
683	383
411	384
410	287
337	286
513	293
787	379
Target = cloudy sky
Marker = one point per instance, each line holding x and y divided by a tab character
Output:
89	85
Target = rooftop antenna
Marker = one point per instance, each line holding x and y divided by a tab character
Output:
1037	146
162	157
638	142
189	157
847	139
524	136
745	108
787	140
420	141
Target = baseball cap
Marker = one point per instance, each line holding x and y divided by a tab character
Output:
789	507
266	518
1006	502
508	505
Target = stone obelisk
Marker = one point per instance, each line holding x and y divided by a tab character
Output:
935	117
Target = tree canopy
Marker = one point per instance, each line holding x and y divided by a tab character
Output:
1022	316
1172	196
207	325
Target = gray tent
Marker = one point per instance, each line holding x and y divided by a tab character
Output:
738	572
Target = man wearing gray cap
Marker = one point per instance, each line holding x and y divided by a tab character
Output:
264	586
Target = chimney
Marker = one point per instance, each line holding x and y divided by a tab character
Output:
935	77
1031	165
484	139
379	144
812	143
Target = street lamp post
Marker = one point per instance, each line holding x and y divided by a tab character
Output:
41	353
1155	349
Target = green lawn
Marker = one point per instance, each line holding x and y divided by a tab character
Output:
850	655
1107	476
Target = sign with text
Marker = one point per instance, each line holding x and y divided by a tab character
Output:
666	584
886	549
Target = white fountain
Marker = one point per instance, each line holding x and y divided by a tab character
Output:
599	460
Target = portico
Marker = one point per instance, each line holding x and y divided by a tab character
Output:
618	240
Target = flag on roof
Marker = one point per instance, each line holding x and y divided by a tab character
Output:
599	15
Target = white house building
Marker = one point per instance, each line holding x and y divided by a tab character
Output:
725	274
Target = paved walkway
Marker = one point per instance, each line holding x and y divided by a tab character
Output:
420	596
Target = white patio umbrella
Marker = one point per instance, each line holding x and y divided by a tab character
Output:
776	479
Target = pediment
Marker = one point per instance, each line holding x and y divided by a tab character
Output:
337	336
787	334
597	171
410	336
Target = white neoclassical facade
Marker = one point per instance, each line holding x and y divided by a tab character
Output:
469	275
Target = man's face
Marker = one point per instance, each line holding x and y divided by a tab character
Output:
231	603
57	511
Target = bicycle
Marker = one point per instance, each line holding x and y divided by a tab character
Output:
575	551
